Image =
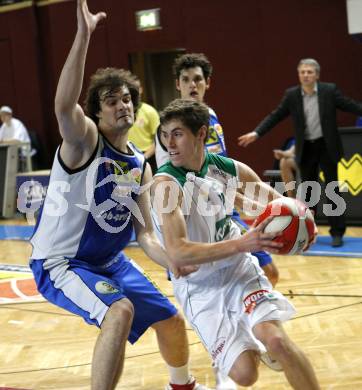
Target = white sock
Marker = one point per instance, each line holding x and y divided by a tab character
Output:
179	375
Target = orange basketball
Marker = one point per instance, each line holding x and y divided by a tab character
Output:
294	220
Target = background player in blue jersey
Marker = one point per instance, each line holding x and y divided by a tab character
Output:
96	198
193	74
193	78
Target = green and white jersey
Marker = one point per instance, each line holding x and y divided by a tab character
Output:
208	201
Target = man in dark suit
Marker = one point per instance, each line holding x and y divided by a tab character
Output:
312	106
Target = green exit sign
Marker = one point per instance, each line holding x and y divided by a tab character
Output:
148	19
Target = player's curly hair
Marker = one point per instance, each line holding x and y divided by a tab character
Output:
192	114
191	60
110	79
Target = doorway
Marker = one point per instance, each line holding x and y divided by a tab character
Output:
154	69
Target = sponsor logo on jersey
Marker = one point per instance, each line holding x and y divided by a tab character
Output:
125	174
256	297
213	138
218	172
222	228
218	347
218	128
104	287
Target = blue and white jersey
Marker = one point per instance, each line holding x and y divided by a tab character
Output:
87	212
215	142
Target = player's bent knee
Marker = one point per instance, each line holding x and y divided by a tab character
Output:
244	378
244	370
177	321
279	347
120	312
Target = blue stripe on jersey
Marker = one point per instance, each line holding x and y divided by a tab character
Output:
117	183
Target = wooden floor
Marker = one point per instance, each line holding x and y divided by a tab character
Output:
43	347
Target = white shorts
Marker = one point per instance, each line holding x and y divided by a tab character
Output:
224	307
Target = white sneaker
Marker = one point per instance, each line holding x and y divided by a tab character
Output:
223	382
190	385
201	387
271	363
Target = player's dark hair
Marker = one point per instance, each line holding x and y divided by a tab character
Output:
192	114
186	61
109	79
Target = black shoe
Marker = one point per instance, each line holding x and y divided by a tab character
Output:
337	241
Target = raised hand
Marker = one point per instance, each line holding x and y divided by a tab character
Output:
247	139
87	22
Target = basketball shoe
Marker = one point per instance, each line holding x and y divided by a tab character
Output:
190	385
271	363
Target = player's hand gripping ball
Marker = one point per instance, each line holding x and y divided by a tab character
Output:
295	222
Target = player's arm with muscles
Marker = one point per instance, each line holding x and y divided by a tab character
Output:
79	132
182	251
145	234
252	194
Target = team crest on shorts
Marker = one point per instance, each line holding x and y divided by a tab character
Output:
255	298
104	287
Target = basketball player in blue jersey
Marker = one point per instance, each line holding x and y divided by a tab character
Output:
193	74
88	218
228	301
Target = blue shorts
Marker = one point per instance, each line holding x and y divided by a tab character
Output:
263	257
89	291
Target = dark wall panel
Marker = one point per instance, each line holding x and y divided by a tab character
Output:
20	85
7	86
172	34
254	46
57	26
